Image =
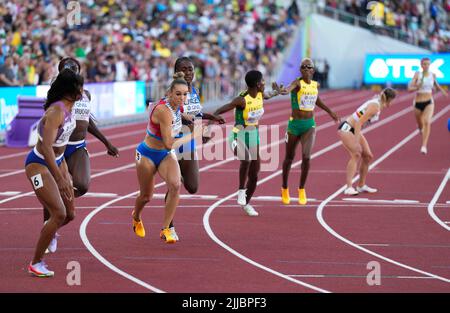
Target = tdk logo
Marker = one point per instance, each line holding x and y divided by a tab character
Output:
402	67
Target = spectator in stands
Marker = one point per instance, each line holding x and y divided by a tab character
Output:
7	75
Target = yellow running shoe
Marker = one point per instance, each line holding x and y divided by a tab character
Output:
302	196
167	235
285	196
138	228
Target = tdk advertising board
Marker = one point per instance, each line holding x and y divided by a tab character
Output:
400	68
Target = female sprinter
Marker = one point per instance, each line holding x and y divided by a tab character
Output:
355	142
244	139
156	154
301	128
423	83
76	154
191	110
45	166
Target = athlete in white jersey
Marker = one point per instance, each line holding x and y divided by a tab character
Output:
356	144
76	154
423	84
45	166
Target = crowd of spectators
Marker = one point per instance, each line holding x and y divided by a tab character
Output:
425	23
122	40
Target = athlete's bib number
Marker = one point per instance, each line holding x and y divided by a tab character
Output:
346	127
37	182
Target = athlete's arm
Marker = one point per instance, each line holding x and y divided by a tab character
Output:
211	117
439	86
322	105
291	87
54	117
163	117
276	90
92	128
413	86
238	102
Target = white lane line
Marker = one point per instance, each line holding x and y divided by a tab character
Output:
278	199
355	276
434	200
320	209
380	200
122	207
184	196
100	194
374	244
10	193
206	216
12	173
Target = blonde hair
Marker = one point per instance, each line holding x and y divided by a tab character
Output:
388	94
178	79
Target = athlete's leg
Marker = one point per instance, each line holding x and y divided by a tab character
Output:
169	170
418	116
366	158
307	139
80	169
253	171
426	122
48	194
189	174
354	149
69	204
291	145
145	170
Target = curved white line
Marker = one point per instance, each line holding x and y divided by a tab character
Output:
104	261
320	209
435	199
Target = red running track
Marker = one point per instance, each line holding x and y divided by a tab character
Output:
324	246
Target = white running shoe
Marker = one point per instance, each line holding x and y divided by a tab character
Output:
40	270
174	233
367	189
423	150
350	191
242	197
250	210
53	244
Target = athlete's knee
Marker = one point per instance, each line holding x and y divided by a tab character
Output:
356	155
80	188
367	157
191	187
306	158
70	216
59	217
288	160
174	185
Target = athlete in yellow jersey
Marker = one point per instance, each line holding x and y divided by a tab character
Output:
244	138
301	128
